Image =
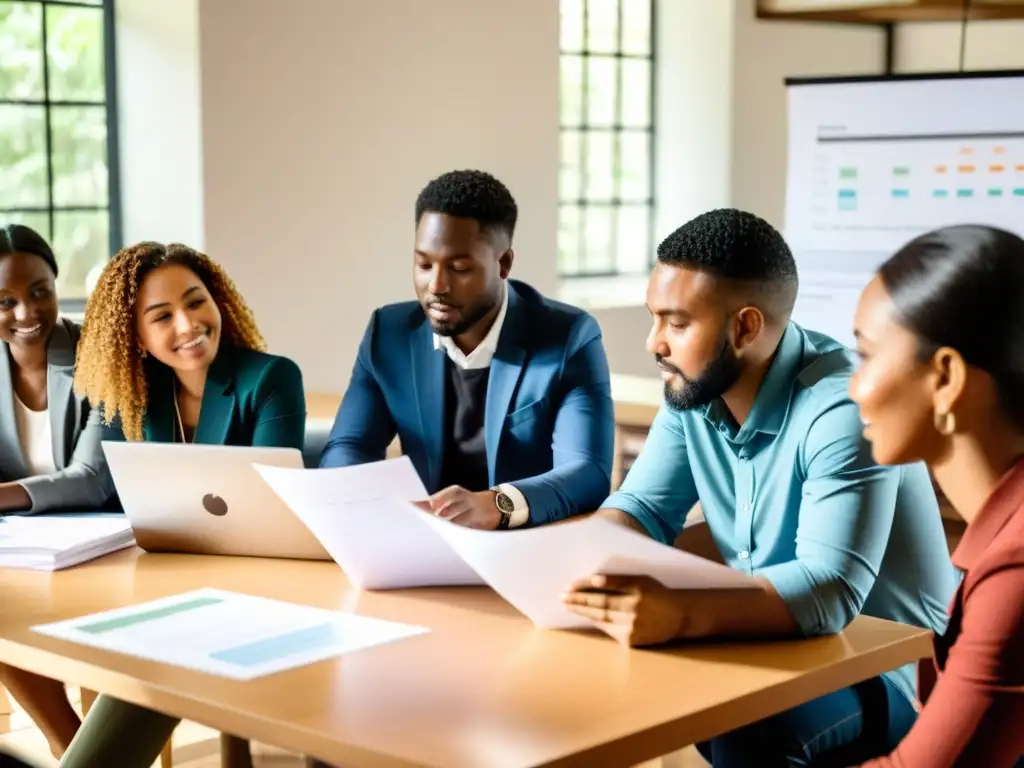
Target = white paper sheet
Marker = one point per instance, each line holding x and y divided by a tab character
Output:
362	517
532	568
229	634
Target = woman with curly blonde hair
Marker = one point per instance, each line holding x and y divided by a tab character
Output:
162	324
170	353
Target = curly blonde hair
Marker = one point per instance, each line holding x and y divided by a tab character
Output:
109	369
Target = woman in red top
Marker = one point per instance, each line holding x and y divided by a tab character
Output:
940	331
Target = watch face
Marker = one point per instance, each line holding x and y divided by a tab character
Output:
504	503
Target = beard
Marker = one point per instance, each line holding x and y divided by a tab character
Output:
717	378
465	317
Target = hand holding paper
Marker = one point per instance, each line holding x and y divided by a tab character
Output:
366	518
532	568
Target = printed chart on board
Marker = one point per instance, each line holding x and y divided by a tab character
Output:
873	163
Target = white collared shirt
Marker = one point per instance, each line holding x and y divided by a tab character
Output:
483	354
481	358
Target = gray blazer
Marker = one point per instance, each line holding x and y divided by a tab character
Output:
82	480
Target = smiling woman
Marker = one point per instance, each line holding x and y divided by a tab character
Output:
49	457
170	352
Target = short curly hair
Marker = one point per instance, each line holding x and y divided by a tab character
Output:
740	248
109	369
470	195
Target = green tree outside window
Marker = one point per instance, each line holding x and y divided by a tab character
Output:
57	132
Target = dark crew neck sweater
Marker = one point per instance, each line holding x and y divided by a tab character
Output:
465	448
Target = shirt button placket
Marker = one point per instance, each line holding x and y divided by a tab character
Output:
745	506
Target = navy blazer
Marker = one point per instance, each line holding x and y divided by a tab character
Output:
549	421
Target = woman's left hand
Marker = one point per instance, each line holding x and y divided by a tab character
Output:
635	610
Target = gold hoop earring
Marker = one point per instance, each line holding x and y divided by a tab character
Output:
945	423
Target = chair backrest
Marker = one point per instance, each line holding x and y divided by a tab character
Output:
317	432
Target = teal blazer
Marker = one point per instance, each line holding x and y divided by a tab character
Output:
250	399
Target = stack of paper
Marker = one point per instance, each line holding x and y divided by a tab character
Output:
52	543
363	517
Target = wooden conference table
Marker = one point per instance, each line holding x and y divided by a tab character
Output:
483	688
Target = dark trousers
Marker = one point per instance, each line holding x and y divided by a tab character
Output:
841	729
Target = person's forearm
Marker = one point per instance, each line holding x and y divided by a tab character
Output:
756	612
622	518
14	498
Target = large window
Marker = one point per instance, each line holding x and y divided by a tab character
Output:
58	143
607	137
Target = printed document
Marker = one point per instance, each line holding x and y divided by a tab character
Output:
229	634
366	522
362	517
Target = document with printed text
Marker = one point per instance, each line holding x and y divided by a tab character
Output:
382	541
228	634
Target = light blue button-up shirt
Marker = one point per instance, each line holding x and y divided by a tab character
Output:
795	497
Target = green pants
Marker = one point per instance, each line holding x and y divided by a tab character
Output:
116	733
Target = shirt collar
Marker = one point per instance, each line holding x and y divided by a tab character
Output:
483	354
771	406
1005	501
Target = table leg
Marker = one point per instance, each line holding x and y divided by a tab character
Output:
234	752
87	698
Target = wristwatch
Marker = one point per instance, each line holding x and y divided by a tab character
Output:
505	507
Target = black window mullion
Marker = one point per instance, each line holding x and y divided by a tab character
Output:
48	120
613	212
113	153
46	102
68	3
607	55
584	139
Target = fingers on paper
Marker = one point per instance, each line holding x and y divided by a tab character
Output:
448	502
603	615
603	599
609	583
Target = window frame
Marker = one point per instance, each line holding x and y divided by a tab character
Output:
113	206
615	129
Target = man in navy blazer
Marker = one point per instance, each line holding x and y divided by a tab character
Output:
500	397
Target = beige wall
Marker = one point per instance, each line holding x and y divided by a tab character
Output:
158	117
322	120
291	143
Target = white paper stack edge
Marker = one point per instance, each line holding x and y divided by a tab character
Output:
60	541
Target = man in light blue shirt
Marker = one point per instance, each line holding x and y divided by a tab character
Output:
757	425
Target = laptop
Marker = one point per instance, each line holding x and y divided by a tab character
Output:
208	500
